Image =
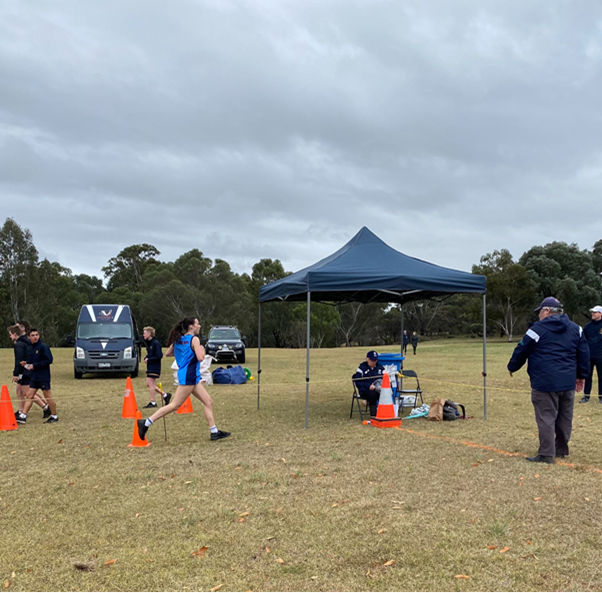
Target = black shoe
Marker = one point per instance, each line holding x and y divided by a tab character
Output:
220	434
150	405
560	456
541	459
584	399
46	411
166	399
51	420
20	419
142	429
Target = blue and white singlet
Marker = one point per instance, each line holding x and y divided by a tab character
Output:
189	367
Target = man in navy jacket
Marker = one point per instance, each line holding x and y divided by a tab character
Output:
368	378
558	365
593	335
38	364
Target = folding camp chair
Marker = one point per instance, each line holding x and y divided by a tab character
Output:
411	394
359	401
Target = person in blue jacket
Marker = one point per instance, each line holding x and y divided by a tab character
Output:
38	364
154	354
593	335
367	379
558	357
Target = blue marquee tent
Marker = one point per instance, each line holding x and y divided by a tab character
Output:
367	270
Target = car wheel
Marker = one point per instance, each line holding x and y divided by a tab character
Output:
77	374
134	373
241	358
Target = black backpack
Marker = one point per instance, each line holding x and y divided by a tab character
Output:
451	411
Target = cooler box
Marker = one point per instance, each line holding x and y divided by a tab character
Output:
395	359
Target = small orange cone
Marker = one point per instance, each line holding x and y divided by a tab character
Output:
130	407
385	414
186	407
7	416
136	440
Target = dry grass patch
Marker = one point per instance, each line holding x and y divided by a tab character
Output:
340	506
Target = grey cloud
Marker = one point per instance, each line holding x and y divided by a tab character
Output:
259	129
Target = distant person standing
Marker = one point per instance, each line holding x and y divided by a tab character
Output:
154	354
405	341
22	376
38	364
558	358
593	335
414	339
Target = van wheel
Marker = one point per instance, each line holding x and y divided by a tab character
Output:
134	373
77	374
241	358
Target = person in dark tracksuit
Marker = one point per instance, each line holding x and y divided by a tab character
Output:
406	341
38	364
558	357
367	378
154	354
593	335
22	377
414	339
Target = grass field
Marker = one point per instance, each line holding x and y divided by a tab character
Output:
340	506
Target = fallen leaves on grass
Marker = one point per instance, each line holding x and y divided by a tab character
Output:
60	441
280	560
531	555
538	498
504	550
268	549
216	588
529	542
491	547
200	552
244	514
389	563
110	562
6	584
381	531
464	577
269	539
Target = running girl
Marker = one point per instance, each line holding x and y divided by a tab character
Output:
184	343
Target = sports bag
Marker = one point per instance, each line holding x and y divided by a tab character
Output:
230	376
451	411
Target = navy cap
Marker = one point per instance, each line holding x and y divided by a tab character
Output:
550	302
372	355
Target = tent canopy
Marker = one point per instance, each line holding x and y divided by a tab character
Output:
367	270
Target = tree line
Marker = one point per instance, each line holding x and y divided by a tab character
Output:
50	296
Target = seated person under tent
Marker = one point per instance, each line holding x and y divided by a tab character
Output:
368	379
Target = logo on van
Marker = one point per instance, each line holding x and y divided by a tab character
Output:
106	314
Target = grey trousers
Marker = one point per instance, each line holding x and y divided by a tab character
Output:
554	417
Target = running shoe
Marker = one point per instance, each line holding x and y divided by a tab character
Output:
220	434
167	398
150	405
20	419
46	411
142	429
51	420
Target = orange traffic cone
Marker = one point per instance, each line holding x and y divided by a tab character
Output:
385	414
136	440
130	407
186	407
7	416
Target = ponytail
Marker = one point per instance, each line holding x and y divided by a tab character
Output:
179	329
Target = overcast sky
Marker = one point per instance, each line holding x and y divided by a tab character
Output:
278	128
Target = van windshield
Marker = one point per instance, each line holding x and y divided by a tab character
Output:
90	331
224	334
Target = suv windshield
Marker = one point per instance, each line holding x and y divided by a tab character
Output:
224	334
89	331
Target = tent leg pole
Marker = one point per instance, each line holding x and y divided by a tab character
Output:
484	357
258	355
307	371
